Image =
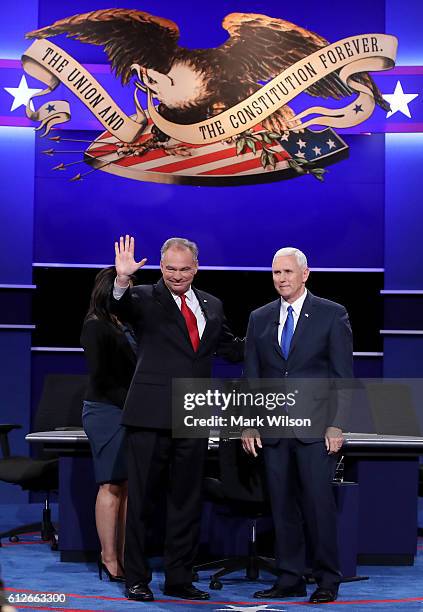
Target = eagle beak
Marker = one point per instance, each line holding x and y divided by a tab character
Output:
138	71
142	87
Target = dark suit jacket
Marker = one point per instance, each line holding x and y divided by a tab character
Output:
165	350
321	349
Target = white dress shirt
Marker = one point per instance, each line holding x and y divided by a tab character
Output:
191	300
296	311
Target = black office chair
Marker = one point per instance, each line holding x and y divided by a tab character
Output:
392	408
60	407
241	489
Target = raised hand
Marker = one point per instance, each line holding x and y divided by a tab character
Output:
125	263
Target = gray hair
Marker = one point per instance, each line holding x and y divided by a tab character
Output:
180	243
299	255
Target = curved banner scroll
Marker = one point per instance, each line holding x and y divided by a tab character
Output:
364	53
51	65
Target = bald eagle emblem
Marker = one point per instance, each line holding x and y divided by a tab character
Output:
215	115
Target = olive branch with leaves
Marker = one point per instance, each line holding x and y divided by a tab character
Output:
248	141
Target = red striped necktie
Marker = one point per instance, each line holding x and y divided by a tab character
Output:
191	321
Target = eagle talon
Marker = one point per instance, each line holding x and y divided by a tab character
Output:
178	150
137	149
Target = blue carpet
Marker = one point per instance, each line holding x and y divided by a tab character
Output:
31	567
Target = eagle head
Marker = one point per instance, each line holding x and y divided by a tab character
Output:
184	86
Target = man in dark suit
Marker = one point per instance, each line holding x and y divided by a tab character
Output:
302	336
178	329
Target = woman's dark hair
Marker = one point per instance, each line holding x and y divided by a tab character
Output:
100	297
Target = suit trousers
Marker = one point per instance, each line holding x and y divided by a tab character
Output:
161	466
300	478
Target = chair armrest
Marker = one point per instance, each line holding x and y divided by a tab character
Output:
5	428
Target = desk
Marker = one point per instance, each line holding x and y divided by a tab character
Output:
64	439
77	492
385	468
387	471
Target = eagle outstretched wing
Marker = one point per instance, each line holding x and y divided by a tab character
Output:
128	36
261	47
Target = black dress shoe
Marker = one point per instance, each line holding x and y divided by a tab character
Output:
277	592
323	596
140	592
185	591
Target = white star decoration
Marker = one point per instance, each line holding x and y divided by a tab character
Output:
399	101
21	94
317	151
331	144
300	154
301	144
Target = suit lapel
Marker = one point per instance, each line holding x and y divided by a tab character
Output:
303	322
274	324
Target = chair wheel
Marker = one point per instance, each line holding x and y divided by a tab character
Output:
195	577
215	585
14	538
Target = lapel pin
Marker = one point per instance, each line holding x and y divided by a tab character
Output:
205	301
306	314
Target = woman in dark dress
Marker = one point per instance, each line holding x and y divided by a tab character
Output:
110	350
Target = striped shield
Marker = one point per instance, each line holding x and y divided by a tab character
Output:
221	163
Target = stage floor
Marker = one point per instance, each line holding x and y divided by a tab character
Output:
31	567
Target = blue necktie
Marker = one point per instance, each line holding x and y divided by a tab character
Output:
287	333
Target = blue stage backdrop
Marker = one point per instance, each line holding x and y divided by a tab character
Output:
348	221
234	226
338	223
